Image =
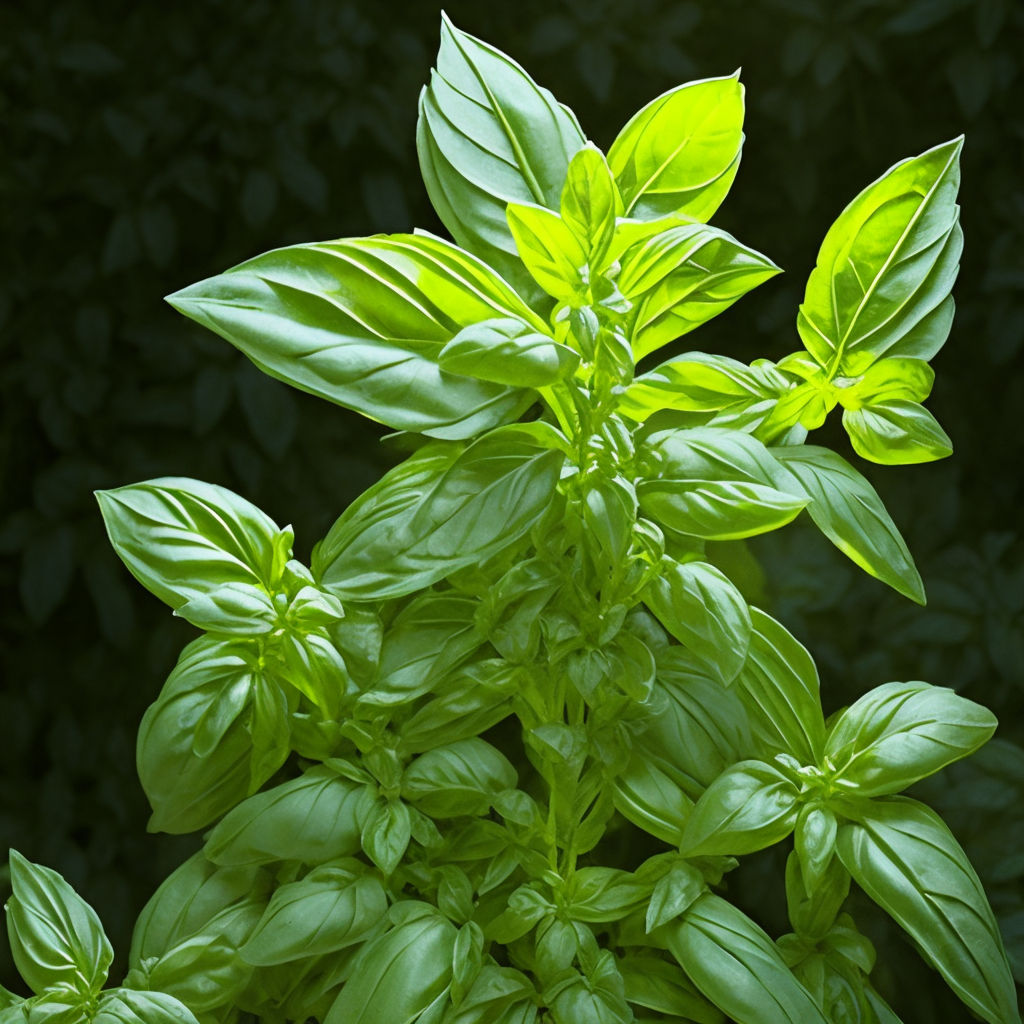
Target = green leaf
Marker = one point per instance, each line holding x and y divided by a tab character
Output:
501	995
890	379
779	688
207	742
313	818
681	278
597	997
888	261
901	732
239	609
435	514
846	508
659	985
700	729
736	965
56	937
903	856
813	909
814	842
600	894
718	509
508	351
749	806
609	514
399	974
590	203
432	634
646	796
123	1006
183	539
705	612
198	898
459	778
362	321
386	831
680	153
488	136
896	433
673	894
551	251
699	382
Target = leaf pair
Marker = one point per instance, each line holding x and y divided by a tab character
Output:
63	954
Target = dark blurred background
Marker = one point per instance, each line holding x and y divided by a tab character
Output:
146	146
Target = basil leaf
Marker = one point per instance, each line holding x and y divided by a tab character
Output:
313	818
386	832
488	136
499	994
813	908
736	965
814	842
700	729
680	153
699	382
900	732
896	433
398	975
238	609
890	379
459	778
361	322
749	806
659	985
551	251
646	796
183	539
718	509
197	898
590	203
215	734
673	894
426	520
681	278
123	1006
888	261
56	937
598	894
846	508
778	685
903	856
327	910
703	610
477	697
507	351
430	636
598	996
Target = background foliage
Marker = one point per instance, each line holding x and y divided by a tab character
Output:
148	146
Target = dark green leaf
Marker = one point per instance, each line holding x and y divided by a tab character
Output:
749	806
435	514
900	732
183	539
846	508
702	609
56	937
903	856
736	965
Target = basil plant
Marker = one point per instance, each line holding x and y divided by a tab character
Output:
491	757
